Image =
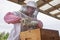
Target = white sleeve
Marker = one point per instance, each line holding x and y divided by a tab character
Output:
11	34
16	13
16	37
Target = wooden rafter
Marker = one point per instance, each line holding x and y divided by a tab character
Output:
49	14
15	1
53	8
18	1
41	2
57	15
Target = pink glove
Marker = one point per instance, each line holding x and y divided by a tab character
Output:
11	18
40	24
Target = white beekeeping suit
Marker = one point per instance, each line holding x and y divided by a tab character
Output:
14	35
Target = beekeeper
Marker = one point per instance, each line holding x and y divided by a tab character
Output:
28	10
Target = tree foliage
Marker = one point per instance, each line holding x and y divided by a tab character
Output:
4	36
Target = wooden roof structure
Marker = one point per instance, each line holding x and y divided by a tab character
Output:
42	3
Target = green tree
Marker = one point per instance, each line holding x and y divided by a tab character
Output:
4	36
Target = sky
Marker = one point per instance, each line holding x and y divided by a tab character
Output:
6	6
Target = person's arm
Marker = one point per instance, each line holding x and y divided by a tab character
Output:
16	37
10	37
40	24
11	18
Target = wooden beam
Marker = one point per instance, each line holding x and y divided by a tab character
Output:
15	1
42	2
59	37
53	8
48	14
18	1
57	14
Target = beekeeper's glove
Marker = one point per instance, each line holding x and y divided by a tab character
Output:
11	18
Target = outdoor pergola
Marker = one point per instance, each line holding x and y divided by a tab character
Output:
52	10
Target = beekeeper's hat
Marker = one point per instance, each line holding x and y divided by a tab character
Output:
32	4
